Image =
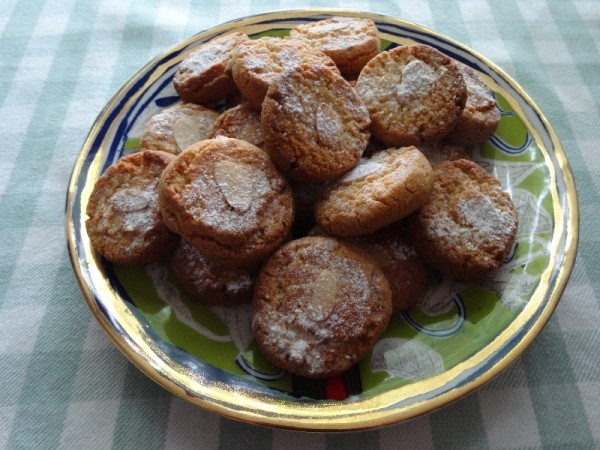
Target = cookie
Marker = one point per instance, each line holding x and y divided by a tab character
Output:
204	77
379	191
480	116
443	151
240	122
468	225
226	198
177	127
414	94
406	272
260	62
124	222
319	306
314	124
211	281
349	41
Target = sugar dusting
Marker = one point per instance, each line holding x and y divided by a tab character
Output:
289	57
205	273
418	79
478	213
326	28
290	101
331	293
390	252
479	95
202	60
209	55
472	221
204	198
255	62
242	284
136	207
336	33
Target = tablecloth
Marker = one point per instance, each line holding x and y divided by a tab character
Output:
62	382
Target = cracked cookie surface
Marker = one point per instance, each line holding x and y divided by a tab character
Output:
314	124
204	76
414	93
227	198
124	222
468	225
319	306
260	62
350	41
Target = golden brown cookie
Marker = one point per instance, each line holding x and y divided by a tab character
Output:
350	41
204	77
259	62
437	152
314	124
414	93
226	198
177	127
124	222
240	122
480	117
211	281
377	192
319	306
468	225
405	270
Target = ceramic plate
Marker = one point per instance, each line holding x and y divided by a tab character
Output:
456	339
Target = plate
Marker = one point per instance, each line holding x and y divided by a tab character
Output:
460	336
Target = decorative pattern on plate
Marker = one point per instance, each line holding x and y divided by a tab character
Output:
458	337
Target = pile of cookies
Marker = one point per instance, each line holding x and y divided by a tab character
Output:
334	177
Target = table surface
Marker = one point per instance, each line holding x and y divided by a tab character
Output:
62	382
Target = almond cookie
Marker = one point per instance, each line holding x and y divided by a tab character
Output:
226	198
259	62
124	222
377	192
314	124
319	306
350	41
204	77
468	225
404	269
177	127
480	117
210	281
240	122
415	94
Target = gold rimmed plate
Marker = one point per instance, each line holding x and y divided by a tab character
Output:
458	337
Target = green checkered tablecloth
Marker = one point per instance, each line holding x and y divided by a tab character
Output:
63	383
